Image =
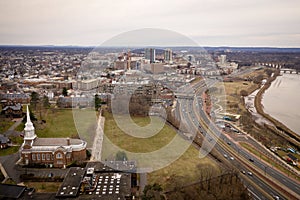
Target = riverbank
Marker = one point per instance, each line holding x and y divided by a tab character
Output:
279	128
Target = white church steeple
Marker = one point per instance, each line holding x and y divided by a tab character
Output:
29	128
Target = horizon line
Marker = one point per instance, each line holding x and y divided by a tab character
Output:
115	46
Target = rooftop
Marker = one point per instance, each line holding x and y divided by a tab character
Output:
56	141
97	180
13	107
8	191
113	166
3	139
71	184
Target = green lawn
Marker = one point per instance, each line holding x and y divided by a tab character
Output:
16	139
65	123
20	127
5	124
86	123
9	150
44	186
186	168
59	123
134	144
10	181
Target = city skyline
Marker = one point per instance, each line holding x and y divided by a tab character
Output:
208	23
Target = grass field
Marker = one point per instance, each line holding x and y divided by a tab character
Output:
234	88
5	124
233	94
18	140
59	123
20	127
186	168
256	73
230	98
43	186
9	151
85	120
134	144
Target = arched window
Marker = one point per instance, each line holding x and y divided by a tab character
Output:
59	155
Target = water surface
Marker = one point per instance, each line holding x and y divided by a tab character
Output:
282	101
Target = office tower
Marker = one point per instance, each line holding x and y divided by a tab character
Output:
168	55
150	54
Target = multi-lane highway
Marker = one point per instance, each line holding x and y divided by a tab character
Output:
263	181
248	180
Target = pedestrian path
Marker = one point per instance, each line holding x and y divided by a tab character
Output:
98	140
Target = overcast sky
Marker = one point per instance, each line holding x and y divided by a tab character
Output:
208	22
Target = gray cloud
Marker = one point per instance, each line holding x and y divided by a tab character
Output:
209	22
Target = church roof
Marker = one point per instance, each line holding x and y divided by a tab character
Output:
34	144
56	142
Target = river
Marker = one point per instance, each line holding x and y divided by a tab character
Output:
282	101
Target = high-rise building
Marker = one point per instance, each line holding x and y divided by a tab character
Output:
168	55
150	54
222	59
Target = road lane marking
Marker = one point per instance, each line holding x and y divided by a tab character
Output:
254	194
284	180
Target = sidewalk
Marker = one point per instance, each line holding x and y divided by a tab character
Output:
17	123
98	140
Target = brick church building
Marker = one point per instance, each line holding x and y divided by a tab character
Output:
53	152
